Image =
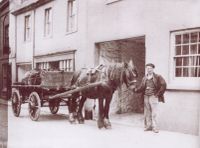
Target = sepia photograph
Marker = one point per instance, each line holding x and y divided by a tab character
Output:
99	73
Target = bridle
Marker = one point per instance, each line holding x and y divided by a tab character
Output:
128	82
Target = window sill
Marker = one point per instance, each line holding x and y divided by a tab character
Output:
27	41
48	37
108	2
71	32
189	84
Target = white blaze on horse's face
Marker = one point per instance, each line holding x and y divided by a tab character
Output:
132	67
130	74
131	64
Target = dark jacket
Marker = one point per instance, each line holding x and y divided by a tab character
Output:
159	83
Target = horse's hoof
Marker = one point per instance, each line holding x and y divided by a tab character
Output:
107	124
80	118
100	124
71	118
81	121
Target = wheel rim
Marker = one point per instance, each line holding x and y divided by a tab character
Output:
34	107
16	104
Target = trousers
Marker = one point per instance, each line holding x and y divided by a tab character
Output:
150	111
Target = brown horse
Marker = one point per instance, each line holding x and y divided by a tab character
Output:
111	76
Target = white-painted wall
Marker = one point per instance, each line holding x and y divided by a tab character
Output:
153	18
60	39
24	48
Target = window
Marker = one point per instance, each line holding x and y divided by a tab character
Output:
6	40
27	32
65	65
187	54
71	16
48	22
43	65
5	69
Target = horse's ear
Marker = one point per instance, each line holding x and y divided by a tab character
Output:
131	63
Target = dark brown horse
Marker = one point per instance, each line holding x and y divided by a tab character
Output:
111	76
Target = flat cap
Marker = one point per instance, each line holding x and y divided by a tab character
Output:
151	65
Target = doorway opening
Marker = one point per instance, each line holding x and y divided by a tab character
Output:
124	50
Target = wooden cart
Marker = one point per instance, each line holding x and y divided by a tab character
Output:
53	91
37	96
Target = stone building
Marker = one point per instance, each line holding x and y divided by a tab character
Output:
5	68
71	34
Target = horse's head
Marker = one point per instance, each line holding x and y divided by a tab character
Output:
130	74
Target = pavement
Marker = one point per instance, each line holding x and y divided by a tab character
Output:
2	101
133	123
3	124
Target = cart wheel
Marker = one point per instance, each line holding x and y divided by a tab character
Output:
34	106
16	102
54	106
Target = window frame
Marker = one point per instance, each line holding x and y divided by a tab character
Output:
63	65
72	17
27	28
48	22
182	82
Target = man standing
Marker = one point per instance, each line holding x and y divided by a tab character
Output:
152	88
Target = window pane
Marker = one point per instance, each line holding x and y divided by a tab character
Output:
199	36
193	49
54	65
74	7
185	72
178	39
199	49
185	38
194	61
193	71
186	61
178	61
198	72
178	50
178	72
198	60
185	50
194	37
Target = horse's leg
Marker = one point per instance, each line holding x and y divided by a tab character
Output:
100	116
71	108
107	123
79	114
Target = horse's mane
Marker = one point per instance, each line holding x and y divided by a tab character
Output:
115	73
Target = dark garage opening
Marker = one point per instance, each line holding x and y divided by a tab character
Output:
124	50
